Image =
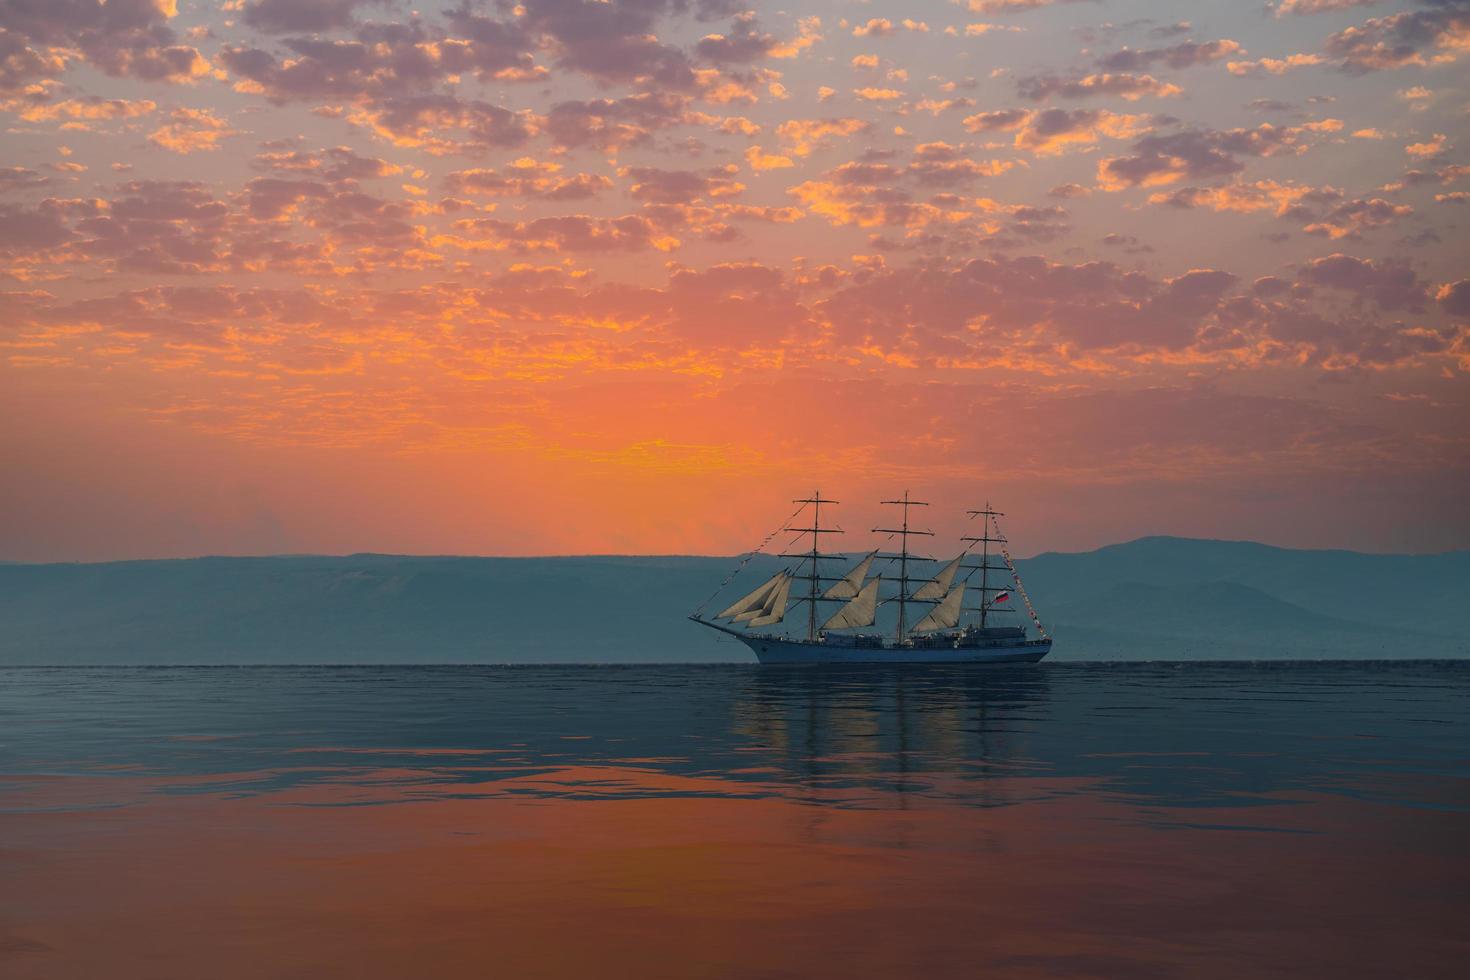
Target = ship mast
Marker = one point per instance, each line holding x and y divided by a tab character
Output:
814	578
903	556
985	568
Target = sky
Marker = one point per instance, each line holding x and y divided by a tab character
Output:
592	276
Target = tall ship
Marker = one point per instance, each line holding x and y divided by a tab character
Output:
951	613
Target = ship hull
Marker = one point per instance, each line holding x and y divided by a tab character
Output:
774	650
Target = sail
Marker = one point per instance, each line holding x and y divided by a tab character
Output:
861	611
944	615
770	601
766	604
852	583
939	585
755	600
775	608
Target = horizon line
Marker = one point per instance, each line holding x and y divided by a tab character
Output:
658	555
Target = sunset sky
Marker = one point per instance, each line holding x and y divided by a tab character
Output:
571	276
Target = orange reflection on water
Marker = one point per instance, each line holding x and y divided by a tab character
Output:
619	871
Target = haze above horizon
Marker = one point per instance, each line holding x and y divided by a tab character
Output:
1020	554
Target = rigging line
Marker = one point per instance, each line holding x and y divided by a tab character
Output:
887	562
699	610
1019	587
971	547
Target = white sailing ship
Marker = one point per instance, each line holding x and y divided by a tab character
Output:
947	630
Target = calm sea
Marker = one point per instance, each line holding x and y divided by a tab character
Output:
1071	820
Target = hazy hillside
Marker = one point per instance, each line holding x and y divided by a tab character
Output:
1157	598
1423	592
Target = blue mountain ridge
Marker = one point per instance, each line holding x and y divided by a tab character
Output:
1154	598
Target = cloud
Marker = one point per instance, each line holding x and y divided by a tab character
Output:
1095	345
1350	219
744	44
614	42
611	124
25	229
14	179
882	195
1410	38
980	30
1128	243
121	38
1418	178
1183	55
941	164
802	136
306	16
568	233
527	178
1273	66
382	61
1196	153
875	27
658	186
1243	197
1008	6
1454	298
445	124
1428	149
999	120
1320	6
270	198
22	66
339	163
1048	132
807	36
759	160
89	108
1069	191
191	130
1322	211
1121	84
736	305
1389	285
465	247
158	226
854	194
1093	306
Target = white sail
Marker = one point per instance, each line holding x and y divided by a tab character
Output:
775	608
753	601
861	611
770	602
939	585
766	604
852	583
944	615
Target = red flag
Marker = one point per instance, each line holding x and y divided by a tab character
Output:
1001	597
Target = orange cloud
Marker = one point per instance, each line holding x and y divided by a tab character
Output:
191	130
802	136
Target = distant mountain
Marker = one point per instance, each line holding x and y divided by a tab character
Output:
1224	598
1155	598
1381	588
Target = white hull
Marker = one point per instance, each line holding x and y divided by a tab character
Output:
774	650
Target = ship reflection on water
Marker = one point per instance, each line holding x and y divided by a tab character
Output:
1133	820
899	731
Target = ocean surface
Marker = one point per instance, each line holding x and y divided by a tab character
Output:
1069	820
